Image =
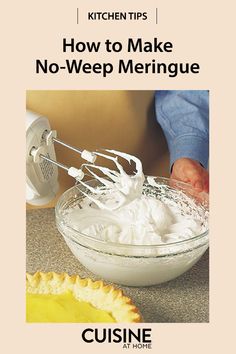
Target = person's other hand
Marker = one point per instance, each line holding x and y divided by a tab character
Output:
191	171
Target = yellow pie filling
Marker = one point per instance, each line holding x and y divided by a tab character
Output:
52	297
62	308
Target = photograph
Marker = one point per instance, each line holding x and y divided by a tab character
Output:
117	206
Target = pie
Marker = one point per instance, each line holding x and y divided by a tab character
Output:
52	297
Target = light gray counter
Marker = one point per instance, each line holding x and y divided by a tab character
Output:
185	299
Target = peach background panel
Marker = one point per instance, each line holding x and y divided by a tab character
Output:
201	31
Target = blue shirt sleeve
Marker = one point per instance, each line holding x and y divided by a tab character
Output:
184	118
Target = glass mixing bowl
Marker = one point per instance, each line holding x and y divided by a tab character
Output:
137	265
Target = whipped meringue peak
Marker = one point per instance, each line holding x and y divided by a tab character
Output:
117	187
130	209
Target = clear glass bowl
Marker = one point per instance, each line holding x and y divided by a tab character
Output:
137	265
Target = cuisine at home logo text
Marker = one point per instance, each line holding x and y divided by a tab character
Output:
139	338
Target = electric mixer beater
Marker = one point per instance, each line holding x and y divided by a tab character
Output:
42	168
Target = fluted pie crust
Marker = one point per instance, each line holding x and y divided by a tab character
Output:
94	294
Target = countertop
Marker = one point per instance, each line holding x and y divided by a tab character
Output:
184	299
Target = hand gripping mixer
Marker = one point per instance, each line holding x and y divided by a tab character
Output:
42	168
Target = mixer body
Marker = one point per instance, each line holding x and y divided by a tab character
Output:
41	175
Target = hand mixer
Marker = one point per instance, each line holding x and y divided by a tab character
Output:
42	168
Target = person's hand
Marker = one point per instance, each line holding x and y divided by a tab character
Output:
191	171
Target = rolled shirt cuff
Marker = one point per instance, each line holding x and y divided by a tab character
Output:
190	146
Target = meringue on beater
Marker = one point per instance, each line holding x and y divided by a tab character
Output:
124	188
119	210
